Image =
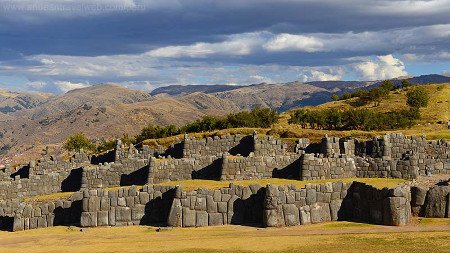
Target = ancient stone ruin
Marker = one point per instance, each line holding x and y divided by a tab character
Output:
97	199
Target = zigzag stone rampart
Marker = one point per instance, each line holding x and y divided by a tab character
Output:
229	157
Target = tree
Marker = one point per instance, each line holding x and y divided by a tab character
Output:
334	97
387	85
346	96
417	97
77	142
406	83
300	117
376	95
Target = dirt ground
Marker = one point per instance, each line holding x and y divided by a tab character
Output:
423	235
433	180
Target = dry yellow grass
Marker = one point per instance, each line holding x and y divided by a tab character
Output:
189	185
327	237
438	109
49	197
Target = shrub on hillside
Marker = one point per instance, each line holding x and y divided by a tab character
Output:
256	118
417	97
77	142
354	119
406	84
335	97
153	132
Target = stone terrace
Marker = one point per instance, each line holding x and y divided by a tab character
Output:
229	157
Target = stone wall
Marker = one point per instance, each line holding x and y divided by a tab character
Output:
366	203
268	146
170	169
258	167
270	206
289	206
231	205
48	214
433	202
33	186
334	146
45	176
127	171
215	146
421	153
368	167
315	167
126	206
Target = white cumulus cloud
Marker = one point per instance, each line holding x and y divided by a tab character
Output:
65	86
327	74
292	42
383	67
242	44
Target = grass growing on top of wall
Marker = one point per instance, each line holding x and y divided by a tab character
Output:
189	185
50	197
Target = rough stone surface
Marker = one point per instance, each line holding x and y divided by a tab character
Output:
436	202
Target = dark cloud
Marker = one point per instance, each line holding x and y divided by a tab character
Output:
122	32
89	41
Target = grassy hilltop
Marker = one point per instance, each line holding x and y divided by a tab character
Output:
432	122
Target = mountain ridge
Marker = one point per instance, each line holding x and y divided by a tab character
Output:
108	111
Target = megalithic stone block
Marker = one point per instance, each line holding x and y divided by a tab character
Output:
175	218
88	219
189	219
436	202
18	224
291	215
396	211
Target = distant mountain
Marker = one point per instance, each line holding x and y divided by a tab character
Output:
341	85
275	96
285	96
15	101
176	90
426	79
100	111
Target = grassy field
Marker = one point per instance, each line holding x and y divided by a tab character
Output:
326	237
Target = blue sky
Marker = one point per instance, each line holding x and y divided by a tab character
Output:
58	45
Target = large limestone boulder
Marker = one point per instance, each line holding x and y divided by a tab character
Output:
189	217
88	219
396	211
320	212
418	195
436	202
175	218
291	215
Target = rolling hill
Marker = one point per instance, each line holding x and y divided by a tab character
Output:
286	96
101	112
